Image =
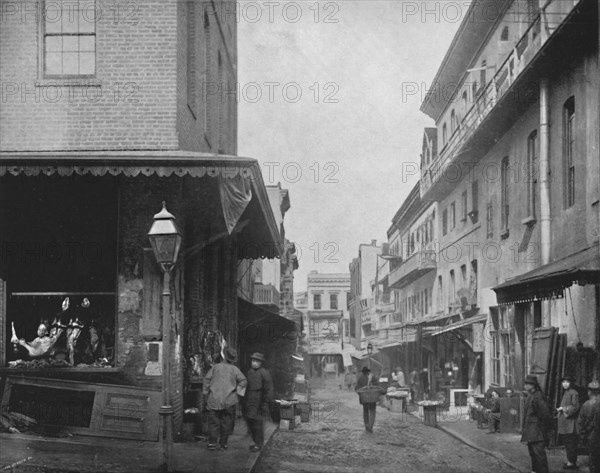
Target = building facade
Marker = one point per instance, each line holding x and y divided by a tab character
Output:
327	323
515	181
105	120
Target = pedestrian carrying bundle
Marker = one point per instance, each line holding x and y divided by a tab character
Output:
369	394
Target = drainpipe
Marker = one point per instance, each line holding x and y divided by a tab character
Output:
545	218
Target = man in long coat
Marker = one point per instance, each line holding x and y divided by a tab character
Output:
258	397
537	424
567	417
222	384
369	408
588	425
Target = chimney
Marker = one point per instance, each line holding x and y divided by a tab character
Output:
373	242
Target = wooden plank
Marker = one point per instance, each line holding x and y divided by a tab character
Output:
126	412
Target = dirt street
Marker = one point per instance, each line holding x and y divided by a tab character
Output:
335	441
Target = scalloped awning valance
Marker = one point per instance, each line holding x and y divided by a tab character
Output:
550	281
241	180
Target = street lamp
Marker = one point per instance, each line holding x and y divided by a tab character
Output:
165	239
369	352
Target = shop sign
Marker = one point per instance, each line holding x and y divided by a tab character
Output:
478	337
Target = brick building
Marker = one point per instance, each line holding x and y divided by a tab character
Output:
106	113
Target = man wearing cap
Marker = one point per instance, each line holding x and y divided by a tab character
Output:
588	425
223	382
567	417
369	408
537	423
258	397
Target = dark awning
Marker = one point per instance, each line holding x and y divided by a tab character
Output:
550	280
251	314
256	227
456	325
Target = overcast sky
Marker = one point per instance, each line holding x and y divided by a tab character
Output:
329	105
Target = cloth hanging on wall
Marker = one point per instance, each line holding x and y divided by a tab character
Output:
236	194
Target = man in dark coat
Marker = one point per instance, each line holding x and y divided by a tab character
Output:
258	397
537	422
588	425
567	417
369	408
222	384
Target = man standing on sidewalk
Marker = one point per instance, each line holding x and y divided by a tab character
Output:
258	397
567	416
588	425
369	408
223	383
537	422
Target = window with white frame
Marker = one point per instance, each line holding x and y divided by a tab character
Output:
69	38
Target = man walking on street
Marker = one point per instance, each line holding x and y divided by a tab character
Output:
567	416
369	408
537	422
588	425
222	384
258	397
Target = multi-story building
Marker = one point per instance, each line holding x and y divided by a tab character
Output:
328	323
363	271
413	264
516	178
103	119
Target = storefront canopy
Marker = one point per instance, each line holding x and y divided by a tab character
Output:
550	280
244	201
456	325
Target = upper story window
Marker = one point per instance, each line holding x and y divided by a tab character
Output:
465	103
333	301
463	199
445	221
504	183
317	301
452	215
444	135
453	122
69	33
504	34
532	172
489	221
483	73
475	200
569	151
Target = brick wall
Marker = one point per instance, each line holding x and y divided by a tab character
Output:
129	104
207	56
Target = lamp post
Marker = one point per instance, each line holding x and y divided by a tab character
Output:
369	351
165	239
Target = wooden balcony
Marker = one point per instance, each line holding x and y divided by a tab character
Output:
266	295
418	264
508	83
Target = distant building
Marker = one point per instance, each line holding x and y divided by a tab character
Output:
328	323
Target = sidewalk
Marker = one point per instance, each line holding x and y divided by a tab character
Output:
81	454
505	447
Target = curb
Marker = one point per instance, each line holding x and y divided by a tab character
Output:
496	455
466	441
254	457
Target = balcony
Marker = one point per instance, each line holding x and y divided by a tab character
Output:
266	295
511	89
412	268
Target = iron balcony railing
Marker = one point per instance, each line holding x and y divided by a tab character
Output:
537	34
